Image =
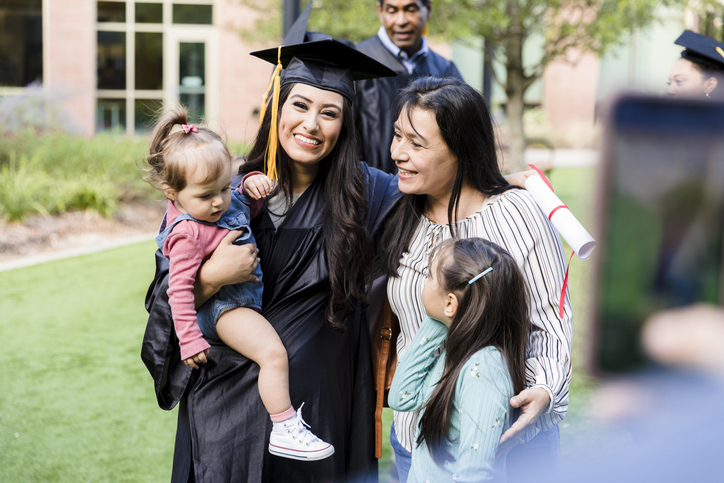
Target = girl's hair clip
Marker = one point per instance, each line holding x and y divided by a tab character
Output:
189	128
475	278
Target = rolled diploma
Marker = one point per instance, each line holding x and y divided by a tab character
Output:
567	225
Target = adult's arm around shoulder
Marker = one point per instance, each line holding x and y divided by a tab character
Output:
527	233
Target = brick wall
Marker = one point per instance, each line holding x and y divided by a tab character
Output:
242	78
70	70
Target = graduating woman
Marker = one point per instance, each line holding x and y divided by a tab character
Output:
314	238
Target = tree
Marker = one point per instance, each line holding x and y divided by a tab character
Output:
567	26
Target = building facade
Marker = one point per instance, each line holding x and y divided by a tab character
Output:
115	63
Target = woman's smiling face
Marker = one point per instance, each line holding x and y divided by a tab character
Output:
310	123
425	163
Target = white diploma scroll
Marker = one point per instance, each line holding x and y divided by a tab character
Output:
567	225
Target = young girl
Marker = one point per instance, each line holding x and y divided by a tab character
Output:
192	166
477	319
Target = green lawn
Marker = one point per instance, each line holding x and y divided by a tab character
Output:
76	402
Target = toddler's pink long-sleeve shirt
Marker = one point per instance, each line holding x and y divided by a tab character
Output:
187	247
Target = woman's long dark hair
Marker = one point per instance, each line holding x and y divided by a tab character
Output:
492	311
466	126
347	246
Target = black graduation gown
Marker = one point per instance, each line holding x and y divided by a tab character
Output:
374	99
223	428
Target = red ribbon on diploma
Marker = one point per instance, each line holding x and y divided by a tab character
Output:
568	265
550	215
542	176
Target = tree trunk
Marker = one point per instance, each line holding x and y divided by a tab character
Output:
514	160
516	84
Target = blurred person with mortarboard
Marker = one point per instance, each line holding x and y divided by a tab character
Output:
699	72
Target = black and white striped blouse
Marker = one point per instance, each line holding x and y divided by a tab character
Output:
513	221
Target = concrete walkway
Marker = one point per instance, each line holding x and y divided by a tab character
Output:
562	158
73	252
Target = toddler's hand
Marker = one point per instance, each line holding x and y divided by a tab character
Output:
197	359
258	186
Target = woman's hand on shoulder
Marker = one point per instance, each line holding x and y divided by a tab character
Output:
532	402
228	264
518	179
258	186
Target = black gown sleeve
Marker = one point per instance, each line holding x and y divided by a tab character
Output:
160	350
382	195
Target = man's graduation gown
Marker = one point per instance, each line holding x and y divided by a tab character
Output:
374	100
223	428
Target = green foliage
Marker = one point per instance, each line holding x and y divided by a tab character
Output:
584	25
711	14
59	172
343	19
77	403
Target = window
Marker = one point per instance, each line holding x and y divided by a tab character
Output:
149	13
149	60
21	42
136	40
112	12
192	14
111	60
145	113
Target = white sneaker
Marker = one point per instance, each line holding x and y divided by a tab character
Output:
292	439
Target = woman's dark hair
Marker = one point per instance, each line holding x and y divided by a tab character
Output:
708	68
347	246
466	126
174	155
492	311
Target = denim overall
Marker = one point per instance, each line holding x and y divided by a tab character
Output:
247	294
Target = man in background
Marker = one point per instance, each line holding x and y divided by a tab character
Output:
400	44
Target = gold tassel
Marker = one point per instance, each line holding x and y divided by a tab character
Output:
424	32
719	50
270	156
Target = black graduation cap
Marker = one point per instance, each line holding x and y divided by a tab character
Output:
328	64
702	50
318	60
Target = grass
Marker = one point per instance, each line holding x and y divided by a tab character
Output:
76	402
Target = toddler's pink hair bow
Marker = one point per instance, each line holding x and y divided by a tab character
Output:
187	129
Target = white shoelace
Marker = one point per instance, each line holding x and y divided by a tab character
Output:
304	436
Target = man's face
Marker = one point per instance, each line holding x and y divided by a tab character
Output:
404	21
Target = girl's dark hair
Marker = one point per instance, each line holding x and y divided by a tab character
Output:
347	246
466	126
175	156
492	311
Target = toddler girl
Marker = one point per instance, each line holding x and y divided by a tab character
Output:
465	362
192	166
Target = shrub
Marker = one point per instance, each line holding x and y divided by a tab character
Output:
57	172
60	172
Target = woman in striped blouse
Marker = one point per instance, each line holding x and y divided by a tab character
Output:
444	148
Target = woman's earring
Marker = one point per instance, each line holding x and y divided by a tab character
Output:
708	96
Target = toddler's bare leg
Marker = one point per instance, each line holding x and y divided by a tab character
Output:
252	336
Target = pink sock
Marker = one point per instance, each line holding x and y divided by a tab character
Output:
278	418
